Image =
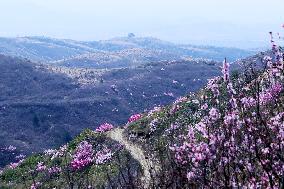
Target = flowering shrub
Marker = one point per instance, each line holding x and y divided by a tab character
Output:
54	170
270	94
36	185
40	166
238	140
154	110
56	153
83	156
248	102
134	118
213	86
103	156
14	165
104	127
225	70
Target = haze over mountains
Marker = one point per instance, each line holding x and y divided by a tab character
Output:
113	53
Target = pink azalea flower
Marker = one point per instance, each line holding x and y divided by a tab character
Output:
134	118
104	127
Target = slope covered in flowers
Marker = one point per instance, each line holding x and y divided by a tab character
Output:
91	160
228	135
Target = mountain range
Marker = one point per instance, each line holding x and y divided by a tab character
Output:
113	53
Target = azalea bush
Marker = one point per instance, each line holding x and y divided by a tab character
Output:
238	140
104	127
91	160
228	135
134	118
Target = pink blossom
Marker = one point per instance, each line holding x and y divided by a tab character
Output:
15	165
214	114
213	86
54	170
83	156
225	70
134	118
248	102
154	110
40	166
270	94
190	175
56	153
35	185
204	106
104	127
103	156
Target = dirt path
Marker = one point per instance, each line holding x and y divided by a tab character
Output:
137	153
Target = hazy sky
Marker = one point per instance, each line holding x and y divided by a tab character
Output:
242	23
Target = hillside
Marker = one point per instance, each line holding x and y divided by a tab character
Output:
118	59
227	135
116	52
44	106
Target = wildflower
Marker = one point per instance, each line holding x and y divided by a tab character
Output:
40	166
248	102
233	103
104	127
103	156
180	100
231	118
134	118
190	175
15	165
49	152
204	106
231	89
225	70
83	156
35	185
270	94
172	127
153	124
154	110
213	86
54	170
214	114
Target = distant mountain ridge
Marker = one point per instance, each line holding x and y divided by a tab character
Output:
115	52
